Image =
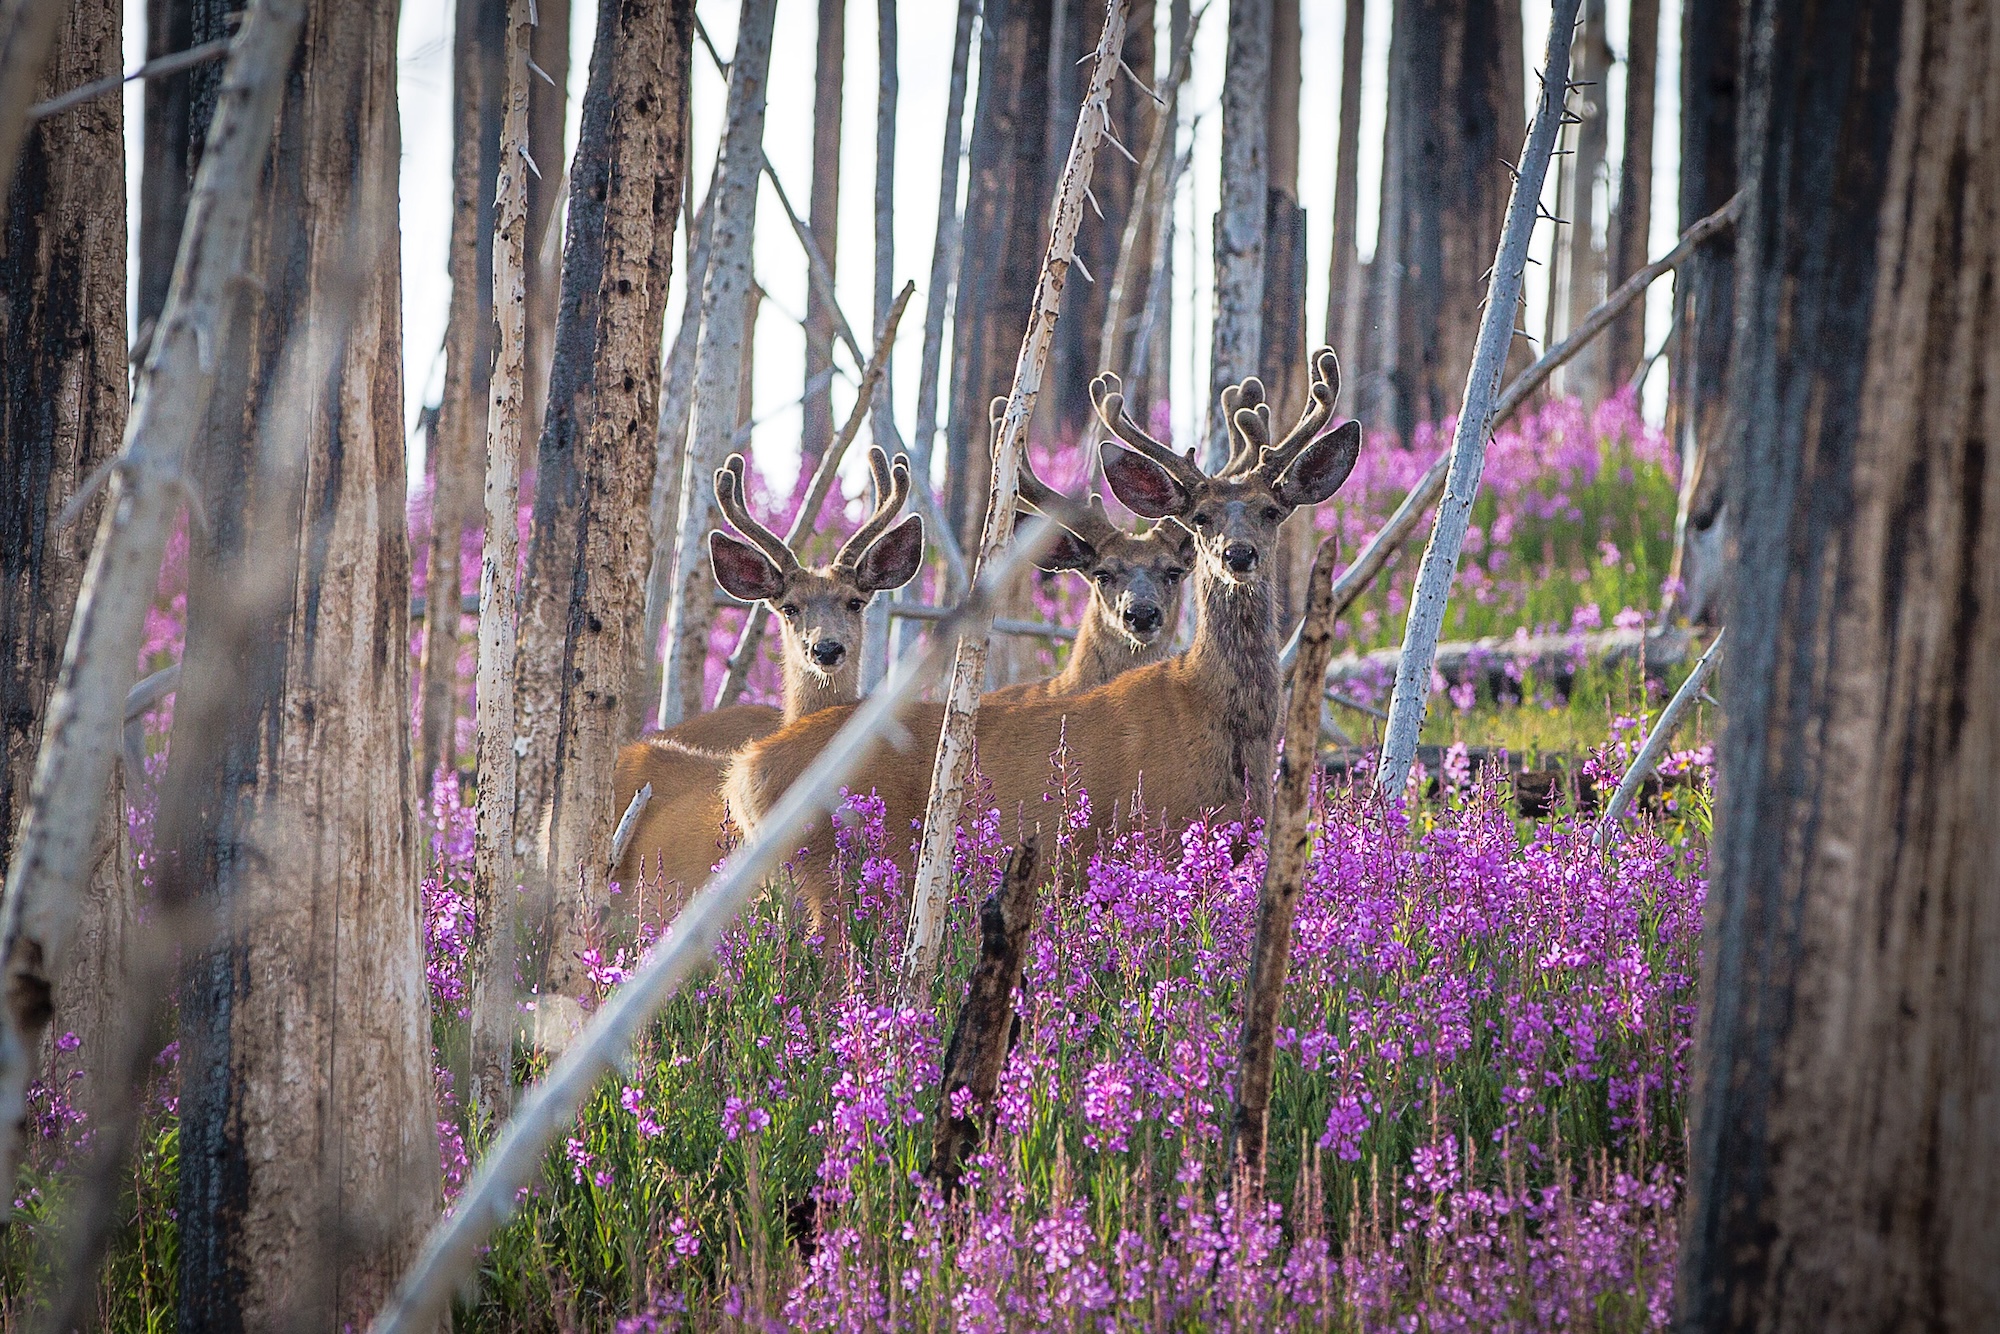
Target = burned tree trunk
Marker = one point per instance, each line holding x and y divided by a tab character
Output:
307	1152
1002	251
1577	280
1704	292
1844	1167
1344	291
984	1028
1455	106
62	416
479	79
1632	224
1236	349
823	214
583	602
548	118
1078	352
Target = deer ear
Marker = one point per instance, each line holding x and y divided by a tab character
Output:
892	559
1321	467
1140	484
744	572
1066	551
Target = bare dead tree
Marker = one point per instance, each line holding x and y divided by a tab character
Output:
823	207
62	414
80	738
1843	1170
1237	346
983	1030
1475	418
585	595
1454	114
548	178
882	416
1284	873
945	247
27	35
1655	745
452	1253
477	87
1576	281
491	959
1632	224
954	749
1002	242
1344	290
725	297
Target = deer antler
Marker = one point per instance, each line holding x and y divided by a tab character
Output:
1242	451
1107	394
892	488
1274	459
1087	519
729	494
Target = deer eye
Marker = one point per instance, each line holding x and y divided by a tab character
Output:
1103	576
1272	514
1175	574
855	604
1201	519
789	611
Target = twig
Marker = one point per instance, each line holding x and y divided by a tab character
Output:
491	958
978	1049
628	823
817	490
157	68
1655	744
1286	838
81	735
1475	422
451	1253
968	677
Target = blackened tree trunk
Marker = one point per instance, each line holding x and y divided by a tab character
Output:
548	119
307	1153
1704	288
1632	224
479	78
1844	1159
1456	112
1282	341
62	415
824	218
583	605
1344	292
1578	280
166	138
1005	202
1076	355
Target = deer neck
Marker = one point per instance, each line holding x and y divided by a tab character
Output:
1101	652
1236	650
808	691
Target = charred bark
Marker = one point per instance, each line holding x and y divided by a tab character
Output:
1345	297
307	1151
1632	224
1704	292
62	416
1002	250
1455	106
548	119
1844	1165
984	1029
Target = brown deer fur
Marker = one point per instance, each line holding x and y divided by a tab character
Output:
1186	735
819	611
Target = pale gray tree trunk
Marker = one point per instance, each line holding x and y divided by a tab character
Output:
725	299
823	212
1236	349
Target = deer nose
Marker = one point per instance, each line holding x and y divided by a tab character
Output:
1143	617
1240	557
829	652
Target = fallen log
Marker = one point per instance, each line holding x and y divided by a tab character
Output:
1498	662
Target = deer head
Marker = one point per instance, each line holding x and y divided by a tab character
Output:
819	608
1235	514
1135	578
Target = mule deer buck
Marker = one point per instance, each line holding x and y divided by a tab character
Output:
1135	588
1189	734
819	611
